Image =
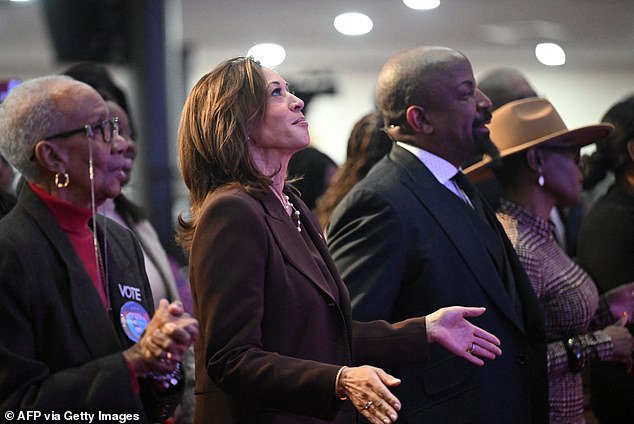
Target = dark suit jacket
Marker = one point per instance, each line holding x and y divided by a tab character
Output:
405	245
606	252
275	319
59	347
7	201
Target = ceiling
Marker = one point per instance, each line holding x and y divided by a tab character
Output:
597	34
506	30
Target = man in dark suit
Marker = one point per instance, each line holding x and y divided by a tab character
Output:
413	236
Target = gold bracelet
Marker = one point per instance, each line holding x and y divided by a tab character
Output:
337	393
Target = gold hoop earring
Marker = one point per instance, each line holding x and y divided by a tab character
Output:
65	182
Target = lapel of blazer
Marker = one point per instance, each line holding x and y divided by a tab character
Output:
122	269
438	201
290	241
313	229
93	321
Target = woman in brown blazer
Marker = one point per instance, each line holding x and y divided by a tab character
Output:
277	341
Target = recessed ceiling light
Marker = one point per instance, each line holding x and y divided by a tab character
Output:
550	54
268	54
422	4
353	23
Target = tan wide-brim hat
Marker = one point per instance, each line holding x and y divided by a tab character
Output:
526	123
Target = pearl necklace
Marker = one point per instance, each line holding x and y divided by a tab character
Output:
289	207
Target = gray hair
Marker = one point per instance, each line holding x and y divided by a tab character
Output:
27	115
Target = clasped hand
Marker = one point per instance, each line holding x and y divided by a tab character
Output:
167	337
622	342
621	300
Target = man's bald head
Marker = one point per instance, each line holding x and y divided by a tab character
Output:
409	78
503	85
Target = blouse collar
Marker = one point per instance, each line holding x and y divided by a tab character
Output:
541	226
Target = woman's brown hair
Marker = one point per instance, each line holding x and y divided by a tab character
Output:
213	138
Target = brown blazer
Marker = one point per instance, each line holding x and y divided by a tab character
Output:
275	325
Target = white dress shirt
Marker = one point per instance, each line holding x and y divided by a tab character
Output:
441	169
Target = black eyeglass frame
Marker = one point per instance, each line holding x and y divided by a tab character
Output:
90	131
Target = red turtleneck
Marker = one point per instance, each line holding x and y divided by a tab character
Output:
74	221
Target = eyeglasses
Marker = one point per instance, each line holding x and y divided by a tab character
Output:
109	129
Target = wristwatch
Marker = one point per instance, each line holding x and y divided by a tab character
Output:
576	355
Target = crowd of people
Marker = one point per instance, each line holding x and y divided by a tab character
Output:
399	292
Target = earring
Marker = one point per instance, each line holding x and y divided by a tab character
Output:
65	182
540	180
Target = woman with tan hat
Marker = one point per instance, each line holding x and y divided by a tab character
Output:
540	169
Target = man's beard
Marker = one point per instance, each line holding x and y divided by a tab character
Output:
483	142
485	146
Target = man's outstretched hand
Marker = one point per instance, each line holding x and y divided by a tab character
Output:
449	328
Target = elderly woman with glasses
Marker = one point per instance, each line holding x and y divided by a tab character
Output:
78	328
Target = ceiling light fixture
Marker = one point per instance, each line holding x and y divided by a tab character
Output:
422	4
268	54
353	23
550	54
